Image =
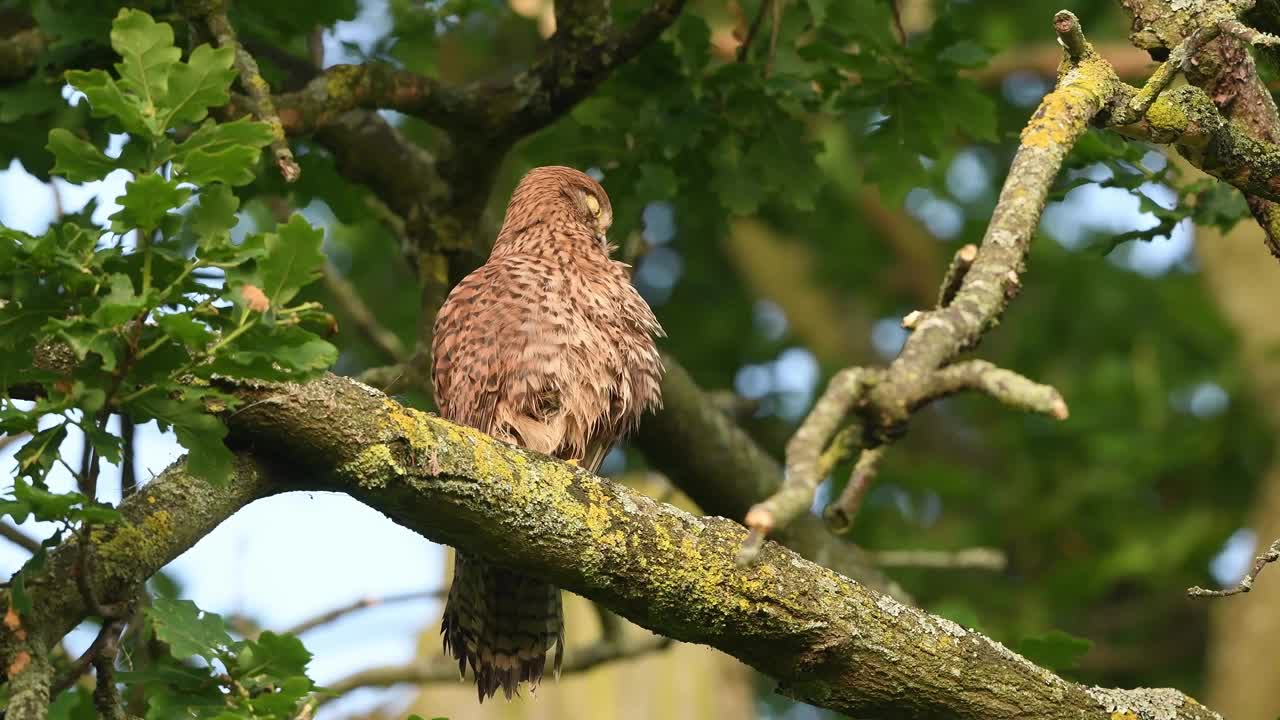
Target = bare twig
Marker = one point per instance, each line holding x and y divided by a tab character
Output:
19	538
745	48
776	12
1271	555
440	670
898	27
128	463
106	696
349	299
960	264
804	454
1004	385
839	514
108	633
1071	36
259	91
1244	33
339	612
1160	80
315	47
967	559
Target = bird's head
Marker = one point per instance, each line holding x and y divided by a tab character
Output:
563	194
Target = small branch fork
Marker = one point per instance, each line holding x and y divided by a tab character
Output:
974	293
259	91
1271	555
982	280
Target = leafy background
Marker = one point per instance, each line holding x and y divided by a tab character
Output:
794	207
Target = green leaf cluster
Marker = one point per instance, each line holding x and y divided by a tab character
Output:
213	676
148	321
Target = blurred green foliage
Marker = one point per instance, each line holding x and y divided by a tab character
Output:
1105	518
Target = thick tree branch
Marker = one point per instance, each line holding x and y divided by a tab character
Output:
826	639
1225	70
584	50
581	54
1187	119
719	466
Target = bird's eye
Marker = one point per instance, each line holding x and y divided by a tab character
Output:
593	205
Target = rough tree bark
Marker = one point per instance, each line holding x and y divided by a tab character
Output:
826	639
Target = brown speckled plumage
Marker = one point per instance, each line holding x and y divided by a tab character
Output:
548	346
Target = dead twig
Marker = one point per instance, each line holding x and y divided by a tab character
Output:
346	296
967	559
806	468
839	514
259	92
439	670
342	611
19	538
1271	555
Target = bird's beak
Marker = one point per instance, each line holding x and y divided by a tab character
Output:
604	240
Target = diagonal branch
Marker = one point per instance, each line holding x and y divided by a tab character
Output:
348	298
582	53
19	538
1272	554
719	466
941	334
974	294
826	639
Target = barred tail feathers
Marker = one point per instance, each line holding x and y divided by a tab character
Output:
502	624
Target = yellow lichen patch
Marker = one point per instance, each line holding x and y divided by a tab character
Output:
131	549
602	518
1167	118
1126	715
410	424
372	466
489	462
662	539
1063	113
341	81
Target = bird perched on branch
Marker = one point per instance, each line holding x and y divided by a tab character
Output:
547	346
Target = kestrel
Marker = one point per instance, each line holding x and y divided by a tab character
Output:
547	346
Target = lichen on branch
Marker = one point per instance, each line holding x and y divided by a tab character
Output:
975	292
826	639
